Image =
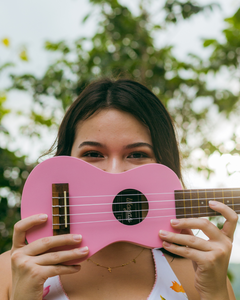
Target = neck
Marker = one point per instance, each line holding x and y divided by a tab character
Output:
194	203
116	253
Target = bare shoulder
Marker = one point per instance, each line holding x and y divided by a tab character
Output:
183	269
230	290
5	275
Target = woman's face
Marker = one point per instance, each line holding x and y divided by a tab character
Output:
114	141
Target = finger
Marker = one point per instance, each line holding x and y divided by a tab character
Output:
186	231
185	240
20	228
190	253
230	216
218	254
59	257
198	223
50	271
47	243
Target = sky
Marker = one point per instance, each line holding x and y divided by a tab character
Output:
30	23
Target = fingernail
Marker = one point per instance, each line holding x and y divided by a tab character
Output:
77	237
166	244
213	203
84	250
174	222
163	233
43	217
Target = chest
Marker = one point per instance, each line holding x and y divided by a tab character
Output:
130	282
135	282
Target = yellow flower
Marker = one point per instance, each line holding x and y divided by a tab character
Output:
177	287
6	42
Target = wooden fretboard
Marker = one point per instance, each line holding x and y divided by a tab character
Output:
194	203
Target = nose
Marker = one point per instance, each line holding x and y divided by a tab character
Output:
115	165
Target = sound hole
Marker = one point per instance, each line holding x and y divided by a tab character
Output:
130	207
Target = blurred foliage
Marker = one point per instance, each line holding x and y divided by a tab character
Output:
177	10
116	51
13	172
124	45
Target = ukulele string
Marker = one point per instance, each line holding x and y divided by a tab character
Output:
152	217
135	210
176	192
153	201
157	209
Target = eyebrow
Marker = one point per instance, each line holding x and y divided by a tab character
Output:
130	146
140	144
90	143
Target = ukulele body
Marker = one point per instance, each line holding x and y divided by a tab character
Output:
92	202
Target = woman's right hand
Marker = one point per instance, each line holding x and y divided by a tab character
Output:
32	265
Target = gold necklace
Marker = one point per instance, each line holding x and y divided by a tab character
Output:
115	267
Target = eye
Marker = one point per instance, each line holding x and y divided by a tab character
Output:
138	155
93	154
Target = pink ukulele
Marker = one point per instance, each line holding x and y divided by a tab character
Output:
105	208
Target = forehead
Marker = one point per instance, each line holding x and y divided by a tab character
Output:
112	124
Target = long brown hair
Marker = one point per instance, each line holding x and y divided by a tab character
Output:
132	97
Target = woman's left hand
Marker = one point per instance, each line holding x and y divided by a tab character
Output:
210	257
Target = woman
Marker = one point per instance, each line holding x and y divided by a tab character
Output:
117	126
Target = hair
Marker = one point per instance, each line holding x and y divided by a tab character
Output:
132	97
129	96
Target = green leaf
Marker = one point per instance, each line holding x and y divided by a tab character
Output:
209	42
86	18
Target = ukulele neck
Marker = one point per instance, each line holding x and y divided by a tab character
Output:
194	203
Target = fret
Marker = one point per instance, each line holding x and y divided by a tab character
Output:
232	200
202	202
194	203
214	196
235	204
188	204
229	197
184	204
211	195
229	202
191	204
198	201
180	204
206	202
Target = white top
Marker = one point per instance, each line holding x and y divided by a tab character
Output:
166	286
